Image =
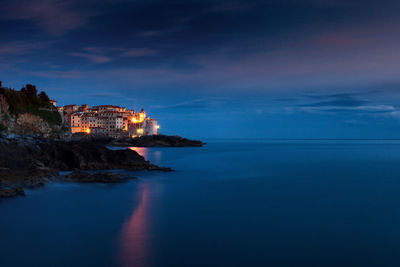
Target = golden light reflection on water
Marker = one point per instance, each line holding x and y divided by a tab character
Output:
135	234
154	155
143	151
157	157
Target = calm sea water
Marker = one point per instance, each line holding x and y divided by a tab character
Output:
230	203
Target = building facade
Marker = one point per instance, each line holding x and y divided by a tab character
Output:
110	120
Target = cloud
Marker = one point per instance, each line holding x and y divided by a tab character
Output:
149	33
332	39
334	109
336	100
70	74
54	16
100	55
346	102
139	52
21	47
199	103
95	58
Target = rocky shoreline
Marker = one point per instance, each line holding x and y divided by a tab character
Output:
31	161
157	141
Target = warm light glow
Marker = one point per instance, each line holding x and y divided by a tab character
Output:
158	126
143	151
136	233
138	119
87	130
139	131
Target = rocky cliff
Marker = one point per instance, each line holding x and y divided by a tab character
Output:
28	123
26	112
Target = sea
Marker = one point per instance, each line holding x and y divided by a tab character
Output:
229	203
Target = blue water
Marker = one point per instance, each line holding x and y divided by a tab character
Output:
230	203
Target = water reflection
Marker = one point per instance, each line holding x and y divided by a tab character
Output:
154	155
157	157
143	151
135	234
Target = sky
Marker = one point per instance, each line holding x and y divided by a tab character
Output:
216	69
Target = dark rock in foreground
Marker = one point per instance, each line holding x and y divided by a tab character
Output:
31	162
98	139
157	141
91	156
11	192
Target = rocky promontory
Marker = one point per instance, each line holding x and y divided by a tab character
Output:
156	141
36	143
30	161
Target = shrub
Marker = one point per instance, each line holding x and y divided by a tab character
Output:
51	117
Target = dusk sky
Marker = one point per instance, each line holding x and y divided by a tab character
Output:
235	69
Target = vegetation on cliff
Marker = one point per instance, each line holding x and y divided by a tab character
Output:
29	111
28	100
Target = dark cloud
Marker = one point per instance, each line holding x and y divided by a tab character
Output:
195	104
344	102
336	100
53	16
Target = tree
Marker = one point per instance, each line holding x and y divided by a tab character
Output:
2	90
44	99
30	93
30	90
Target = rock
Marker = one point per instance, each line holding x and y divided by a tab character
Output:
157	141
26	178
32	161
98	139
11	192
153	167
89	156
84	177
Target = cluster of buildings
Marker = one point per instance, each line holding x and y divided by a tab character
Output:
110	120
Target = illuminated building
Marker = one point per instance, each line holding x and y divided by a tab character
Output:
110	120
